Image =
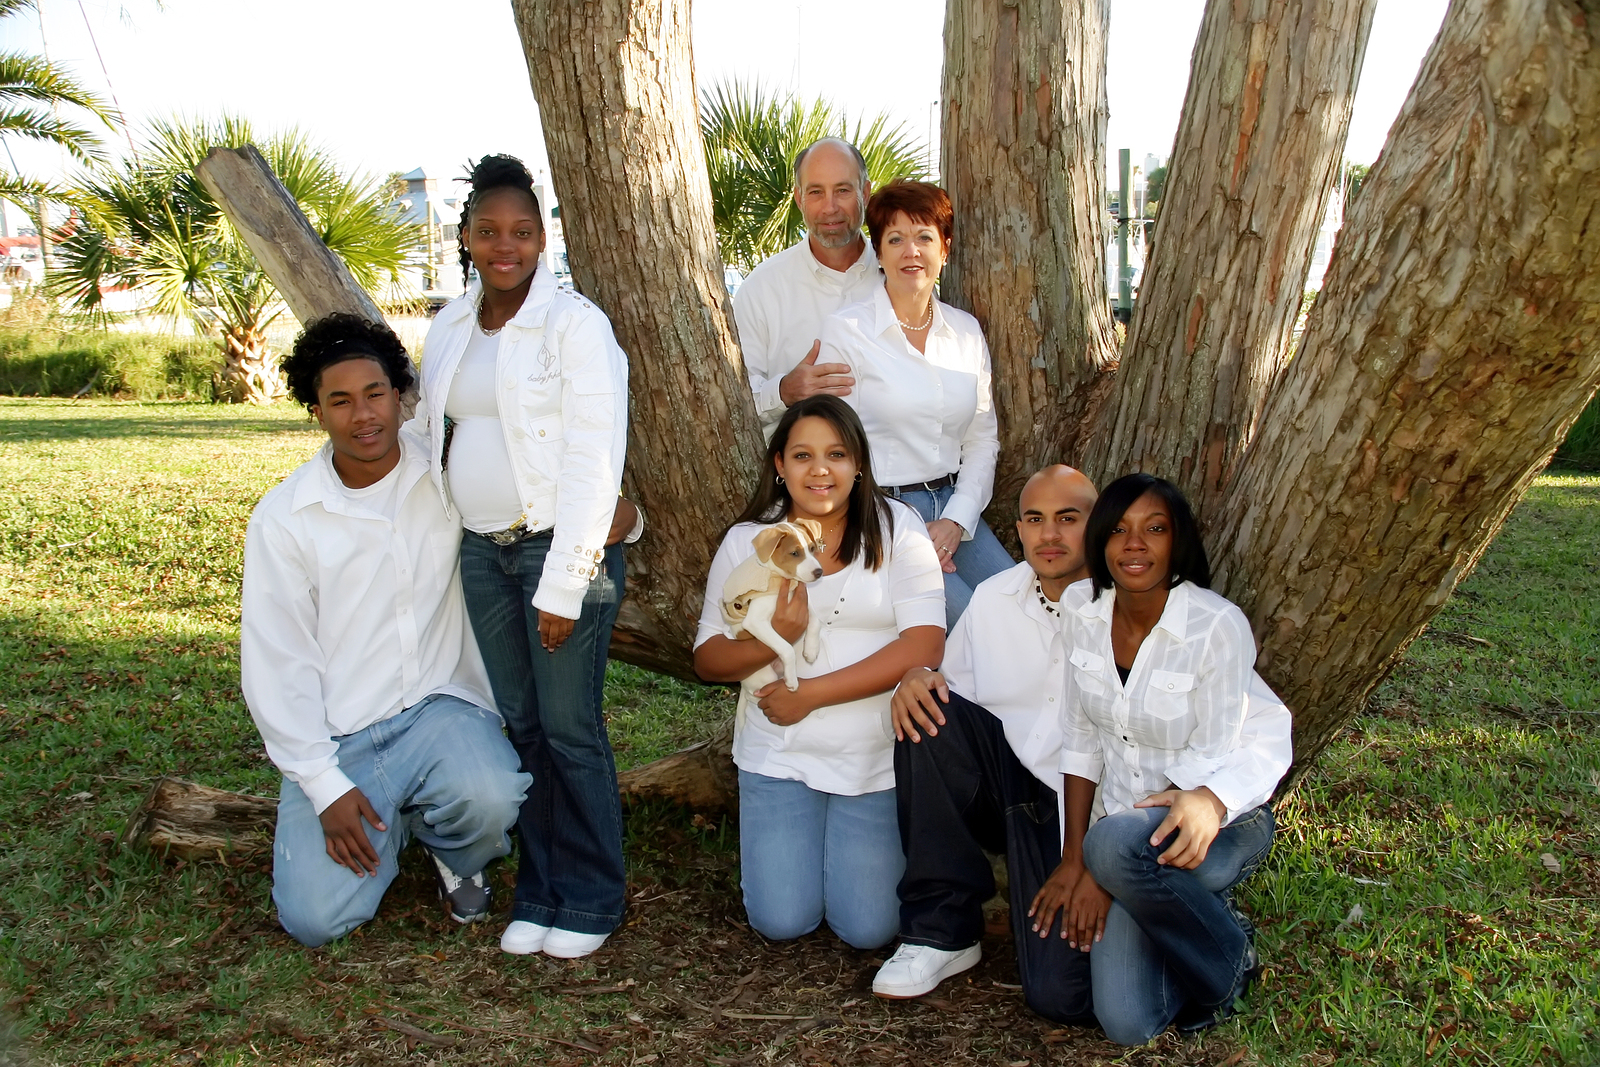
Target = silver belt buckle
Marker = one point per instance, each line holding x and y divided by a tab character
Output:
509	537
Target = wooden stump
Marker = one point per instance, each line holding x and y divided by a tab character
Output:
192	821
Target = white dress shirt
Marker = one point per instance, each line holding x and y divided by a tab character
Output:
1193	712
927	414
848	748
779	310
352	612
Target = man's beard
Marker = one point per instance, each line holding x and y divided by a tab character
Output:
845	239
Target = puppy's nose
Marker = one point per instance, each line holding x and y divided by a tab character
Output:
815	574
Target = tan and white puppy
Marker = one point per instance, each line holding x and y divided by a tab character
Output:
785	552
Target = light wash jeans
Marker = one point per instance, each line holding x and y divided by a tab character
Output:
805	855
570	871
441	771
1172	938
982	557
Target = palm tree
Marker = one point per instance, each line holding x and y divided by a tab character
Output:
32	91
155	229
751	139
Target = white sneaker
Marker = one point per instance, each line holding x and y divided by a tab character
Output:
523	938
916	969
569	945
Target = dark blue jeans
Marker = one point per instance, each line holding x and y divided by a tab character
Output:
570	872
1173	940
964	792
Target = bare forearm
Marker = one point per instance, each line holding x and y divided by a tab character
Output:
1079	799
722	659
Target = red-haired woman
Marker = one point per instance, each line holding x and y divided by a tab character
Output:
922	386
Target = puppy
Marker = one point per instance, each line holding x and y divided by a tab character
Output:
785	552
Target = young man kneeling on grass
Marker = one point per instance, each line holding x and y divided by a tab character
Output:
357	661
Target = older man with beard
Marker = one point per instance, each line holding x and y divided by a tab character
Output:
780	307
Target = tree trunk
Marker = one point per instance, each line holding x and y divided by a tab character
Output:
1023	147
1456	339
615	84
250	373
1257	155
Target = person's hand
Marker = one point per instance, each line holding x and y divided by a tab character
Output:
1055	895
793	612
810	378
622	521
783	707
554	630
946	535
1084	923
914	704
348	843
1196	814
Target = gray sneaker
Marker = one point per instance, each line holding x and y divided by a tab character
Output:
469	898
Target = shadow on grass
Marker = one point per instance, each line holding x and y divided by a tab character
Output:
35	429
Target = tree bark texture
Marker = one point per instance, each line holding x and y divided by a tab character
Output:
192	821
1023	159
1456	339
1256	158
615	84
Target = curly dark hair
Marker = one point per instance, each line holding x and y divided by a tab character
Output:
339	337
488	174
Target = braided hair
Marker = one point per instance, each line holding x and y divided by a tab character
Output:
488	174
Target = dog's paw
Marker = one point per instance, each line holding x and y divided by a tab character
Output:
792	683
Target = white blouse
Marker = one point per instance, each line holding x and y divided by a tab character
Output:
478	468
927	414
1193	712
847	748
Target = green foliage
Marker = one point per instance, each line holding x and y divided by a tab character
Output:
752	137
35	362
32	93
1354	175
155	229
1155	185
1582	446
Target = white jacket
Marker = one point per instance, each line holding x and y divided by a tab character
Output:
564	409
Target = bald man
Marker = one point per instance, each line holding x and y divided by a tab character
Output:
977	767
780	307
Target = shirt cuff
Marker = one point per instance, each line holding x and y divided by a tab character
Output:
1083	766
638	526
770	407
963	512
325	788
1234	794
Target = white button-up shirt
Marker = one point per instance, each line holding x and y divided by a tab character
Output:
1007	653
927	414
352	612
846	748
1193	712
779	310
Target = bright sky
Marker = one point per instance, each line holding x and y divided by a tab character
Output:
389	87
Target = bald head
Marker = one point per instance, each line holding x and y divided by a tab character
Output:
1052	510
831	153
830	189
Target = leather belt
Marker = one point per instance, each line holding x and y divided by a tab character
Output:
921	487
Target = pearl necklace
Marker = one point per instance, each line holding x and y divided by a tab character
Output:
927	319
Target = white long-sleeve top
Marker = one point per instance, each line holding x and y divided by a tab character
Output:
563	403
846	748
927	414
1193	713
780	309
352	612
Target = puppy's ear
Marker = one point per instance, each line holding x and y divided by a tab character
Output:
813	530
766	543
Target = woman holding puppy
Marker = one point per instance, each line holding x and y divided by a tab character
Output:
817	825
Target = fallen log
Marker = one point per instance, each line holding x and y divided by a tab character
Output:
187	820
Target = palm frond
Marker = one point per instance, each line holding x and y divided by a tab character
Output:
35	79
37	124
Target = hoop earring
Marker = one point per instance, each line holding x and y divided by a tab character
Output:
779	478
858	476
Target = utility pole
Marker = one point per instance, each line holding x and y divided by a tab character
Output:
1124	309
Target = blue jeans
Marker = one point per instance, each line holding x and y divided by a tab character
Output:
805	855
1172	938
982	557
570	872
440	771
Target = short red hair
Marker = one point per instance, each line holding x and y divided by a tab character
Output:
922	202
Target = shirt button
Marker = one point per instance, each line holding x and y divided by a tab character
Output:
1169	685
1052	700
541	433
511	383
518	432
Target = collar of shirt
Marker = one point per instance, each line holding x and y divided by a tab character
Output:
887	320
1174	616
867	260
329	491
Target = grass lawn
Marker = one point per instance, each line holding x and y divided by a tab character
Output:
1406	915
